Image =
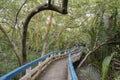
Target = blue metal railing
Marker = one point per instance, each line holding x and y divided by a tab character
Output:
70	65
19	70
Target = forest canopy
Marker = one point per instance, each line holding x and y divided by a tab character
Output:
94	24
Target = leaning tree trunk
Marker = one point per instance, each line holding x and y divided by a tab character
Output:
47	6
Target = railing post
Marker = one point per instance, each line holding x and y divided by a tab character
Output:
29	74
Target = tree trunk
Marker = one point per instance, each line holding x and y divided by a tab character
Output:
47	6
46	34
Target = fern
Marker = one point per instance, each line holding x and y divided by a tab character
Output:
105	66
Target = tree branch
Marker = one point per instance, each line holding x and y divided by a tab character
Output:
16	18
110	41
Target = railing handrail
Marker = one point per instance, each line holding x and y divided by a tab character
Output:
70	65
19	70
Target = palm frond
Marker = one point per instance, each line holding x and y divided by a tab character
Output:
117	78
90	73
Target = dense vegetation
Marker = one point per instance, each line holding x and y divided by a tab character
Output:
93	23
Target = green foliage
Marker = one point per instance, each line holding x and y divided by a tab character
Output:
105	66
7	58
86	23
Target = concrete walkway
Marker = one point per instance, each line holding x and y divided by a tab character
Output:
55	71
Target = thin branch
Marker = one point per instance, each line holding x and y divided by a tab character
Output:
17	14
114	41
16	18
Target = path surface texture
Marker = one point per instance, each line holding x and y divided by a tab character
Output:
55	71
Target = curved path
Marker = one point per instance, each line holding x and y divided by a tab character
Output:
55	71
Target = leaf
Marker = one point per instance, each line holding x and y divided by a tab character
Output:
38	1
105	66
